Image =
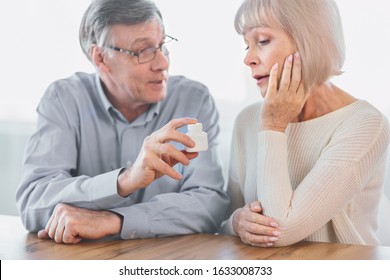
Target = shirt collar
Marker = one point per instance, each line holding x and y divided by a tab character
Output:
103	98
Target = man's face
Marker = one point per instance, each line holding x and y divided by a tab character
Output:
126	78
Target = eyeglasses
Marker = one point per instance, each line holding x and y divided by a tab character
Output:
147	54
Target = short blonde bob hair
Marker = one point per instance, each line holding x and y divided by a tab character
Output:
314	25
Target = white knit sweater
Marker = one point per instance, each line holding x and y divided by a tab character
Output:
321	180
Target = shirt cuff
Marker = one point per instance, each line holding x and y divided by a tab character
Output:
135	223
104	190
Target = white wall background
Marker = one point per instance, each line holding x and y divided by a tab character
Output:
40	44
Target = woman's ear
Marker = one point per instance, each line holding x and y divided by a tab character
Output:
97	57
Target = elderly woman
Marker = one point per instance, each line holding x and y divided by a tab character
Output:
308	162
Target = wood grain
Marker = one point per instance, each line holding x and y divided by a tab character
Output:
16	243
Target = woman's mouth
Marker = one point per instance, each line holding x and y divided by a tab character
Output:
260	79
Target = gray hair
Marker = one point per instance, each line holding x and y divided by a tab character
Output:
102	14
314	25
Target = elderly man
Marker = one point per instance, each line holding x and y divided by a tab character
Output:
108	156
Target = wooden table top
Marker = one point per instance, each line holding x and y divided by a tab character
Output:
16	243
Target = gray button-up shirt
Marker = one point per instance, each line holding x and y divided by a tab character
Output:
82	142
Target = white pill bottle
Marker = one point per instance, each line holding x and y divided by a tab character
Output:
199	137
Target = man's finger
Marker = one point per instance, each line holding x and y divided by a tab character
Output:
176	123
42	234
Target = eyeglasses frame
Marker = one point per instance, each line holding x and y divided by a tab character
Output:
137	54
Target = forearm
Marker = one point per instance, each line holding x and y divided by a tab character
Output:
302	210
193	211
274	187
37	198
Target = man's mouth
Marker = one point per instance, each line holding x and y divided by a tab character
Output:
157	81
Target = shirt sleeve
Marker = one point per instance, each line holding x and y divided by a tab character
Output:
50	176
343	169
201	203
49	166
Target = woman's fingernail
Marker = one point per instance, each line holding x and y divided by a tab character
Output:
276	233
274	224
296	55
269	244
290	58
273	239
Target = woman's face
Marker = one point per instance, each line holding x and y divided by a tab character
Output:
266	46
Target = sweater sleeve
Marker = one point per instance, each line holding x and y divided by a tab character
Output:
342	170
234	186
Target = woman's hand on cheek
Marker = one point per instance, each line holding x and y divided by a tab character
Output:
282	104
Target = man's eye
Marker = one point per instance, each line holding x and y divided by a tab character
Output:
147	50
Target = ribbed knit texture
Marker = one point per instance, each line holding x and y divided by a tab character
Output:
321	180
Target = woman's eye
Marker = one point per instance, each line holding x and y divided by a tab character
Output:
261	43
264	42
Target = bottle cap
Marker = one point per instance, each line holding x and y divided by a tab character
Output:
195	128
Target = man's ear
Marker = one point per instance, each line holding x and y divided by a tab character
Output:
97	57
